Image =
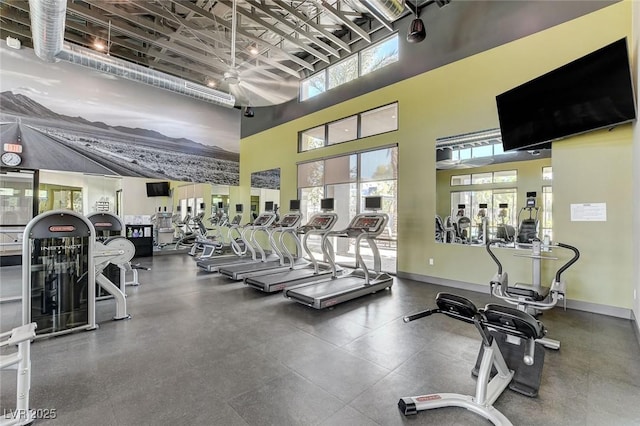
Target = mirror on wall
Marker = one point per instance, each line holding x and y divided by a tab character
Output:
484	193
265	186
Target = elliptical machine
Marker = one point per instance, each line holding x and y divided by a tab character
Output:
533	298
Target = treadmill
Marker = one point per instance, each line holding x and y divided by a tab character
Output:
361	281
262	222
319	224
288	224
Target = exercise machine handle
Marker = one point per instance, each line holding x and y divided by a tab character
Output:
574	259
493	256
529	351
419	315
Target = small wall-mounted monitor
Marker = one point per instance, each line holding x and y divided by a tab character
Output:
188	209
158	189
201	206
239	208
462	206
482	205
532	194
372	203
503	206
294	205
268	206
220	205
178	208
326	204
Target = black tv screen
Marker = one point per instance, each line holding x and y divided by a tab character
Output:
592	92
239	208
326	204
158	189
294	205
268	206
372	203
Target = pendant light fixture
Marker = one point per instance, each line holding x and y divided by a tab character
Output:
417	31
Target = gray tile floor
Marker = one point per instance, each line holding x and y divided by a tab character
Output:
202	350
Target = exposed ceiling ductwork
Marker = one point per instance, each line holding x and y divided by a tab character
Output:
390	9
48	23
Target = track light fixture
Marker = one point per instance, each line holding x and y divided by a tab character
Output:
248	112
417	31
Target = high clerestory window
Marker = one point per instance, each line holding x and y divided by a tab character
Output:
373	122
372	58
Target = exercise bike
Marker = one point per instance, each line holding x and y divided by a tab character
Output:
533	298
509	346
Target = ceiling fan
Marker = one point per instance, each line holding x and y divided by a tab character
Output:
250	83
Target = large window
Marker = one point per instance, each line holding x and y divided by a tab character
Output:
367	123
379	55
502	176
348	179
368	60
547	212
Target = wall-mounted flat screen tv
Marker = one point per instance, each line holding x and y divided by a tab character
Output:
592	92
158	189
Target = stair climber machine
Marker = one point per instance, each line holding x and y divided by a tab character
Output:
510	356
285	259
254	253
108	226
361	281
218	247
528	226
533	298
61	264
318	225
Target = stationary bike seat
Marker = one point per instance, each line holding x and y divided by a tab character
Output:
513	321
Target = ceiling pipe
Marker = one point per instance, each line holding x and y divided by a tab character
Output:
48	23
390	9
47	27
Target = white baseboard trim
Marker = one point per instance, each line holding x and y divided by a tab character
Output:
612	311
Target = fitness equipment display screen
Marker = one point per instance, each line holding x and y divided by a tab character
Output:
373	203
326	204
369	224
320	222
289	220
262	220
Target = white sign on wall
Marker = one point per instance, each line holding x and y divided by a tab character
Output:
589	212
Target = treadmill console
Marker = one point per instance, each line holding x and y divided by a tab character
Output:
321	222
370	224
289	220
264	219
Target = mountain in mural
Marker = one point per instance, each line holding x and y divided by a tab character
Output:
18	104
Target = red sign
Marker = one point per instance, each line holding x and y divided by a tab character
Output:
424	398
62	228
13	147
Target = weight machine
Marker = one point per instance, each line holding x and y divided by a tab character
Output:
61	264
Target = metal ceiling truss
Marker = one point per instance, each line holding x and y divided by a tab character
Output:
280	41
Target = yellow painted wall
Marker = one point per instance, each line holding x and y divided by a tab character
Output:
460	98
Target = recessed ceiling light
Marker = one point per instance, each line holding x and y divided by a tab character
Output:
253	50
